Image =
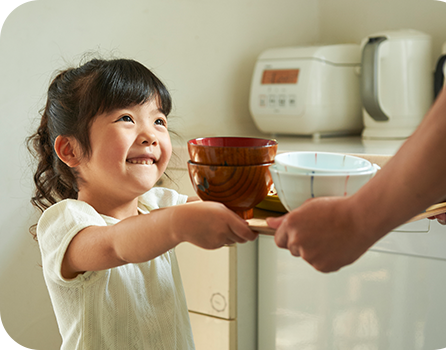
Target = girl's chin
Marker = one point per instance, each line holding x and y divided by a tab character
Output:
144	187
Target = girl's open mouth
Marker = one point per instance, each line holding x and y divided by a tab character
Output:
142	161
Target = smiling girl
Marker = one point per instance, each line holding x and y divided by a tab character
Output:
107	253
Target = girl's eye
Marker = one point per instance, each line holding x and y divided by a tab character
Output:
160	121
126	118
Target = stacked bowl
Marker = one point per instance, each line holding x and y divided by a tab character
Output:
299	176
232	170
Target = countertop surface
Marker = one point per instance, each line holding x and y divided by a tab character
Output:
346	144
423	238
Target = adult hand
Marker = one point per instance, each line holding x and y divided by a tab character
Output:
323	231
332	232
441	218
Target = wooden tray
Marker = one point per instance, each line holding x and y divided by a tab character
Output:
258	222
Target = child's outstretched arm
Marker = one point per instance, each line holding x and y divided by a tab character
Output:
141	238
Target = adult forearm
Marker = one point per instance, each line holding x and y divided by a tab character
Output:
412	180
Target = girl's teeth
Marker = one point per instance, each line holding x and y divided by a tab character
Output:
146	162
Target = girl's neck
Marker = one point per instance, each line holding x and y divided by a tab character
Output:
116	209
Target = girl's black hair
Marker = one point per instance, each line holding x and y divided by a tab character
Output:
75	97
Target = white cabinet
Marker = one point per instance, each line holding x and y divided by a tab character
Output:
220	285
213	333
210	280
385	300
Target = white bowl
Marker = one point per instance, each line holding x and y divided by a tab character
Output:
294	189
372	170
322	162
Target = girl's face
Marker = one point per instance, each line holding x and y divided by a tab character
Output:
130	150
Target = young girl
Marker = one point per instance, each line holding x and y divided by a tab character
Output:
107	254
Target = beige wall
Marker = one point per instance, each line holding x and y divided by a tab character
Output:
210	65
204	50
352	20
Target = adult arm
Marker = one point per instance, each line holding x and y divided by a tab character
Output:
332	232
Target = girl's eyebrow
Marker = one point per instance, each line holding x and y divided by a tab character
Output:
162	112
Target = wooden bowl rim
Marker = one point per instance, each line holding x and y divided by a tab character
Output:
271	142
229	166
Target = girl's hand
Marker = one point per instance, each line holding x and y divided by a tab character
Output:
210	225
141	238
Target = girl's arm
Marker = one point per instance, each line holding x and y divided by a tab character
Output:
141	238
332	232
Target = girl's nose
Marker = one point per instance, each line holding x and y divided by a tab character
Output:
148	138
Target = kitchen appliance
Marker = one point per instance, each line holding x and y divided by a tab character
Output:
391	298
311	90
440	70
396	82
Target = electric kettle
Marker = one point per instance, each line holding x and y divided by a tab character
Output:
396	83
440	70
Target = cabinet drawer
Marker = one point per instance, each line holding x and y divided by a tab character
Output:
209	279
213	333
209	276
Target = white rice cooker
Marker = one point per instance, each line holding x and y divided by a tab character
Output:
312	90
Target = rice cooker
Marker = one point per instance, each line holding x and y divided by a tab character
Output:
311	90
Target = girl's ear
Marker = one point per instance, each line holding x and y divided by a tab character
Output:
67	150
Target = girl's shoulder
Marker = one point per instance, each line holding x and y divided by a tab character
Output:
55	230
160	197
67	214
69	206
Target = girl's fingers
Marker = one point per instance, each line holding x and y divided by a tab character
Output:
236	235
244	232
240	229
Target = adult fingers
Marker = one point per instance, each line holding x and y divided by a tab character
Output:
441	219
285	237
281	237
293	248
275	222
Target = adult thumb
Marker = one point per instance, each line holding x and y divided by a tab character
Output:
274	222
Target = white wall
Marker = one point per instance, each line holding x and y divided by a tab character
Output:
204	50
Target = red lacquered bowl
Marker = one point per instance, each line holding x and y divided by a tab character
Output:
232	150
240	188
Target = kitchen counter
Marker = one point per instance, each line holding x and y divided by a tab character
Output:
221	286
346	144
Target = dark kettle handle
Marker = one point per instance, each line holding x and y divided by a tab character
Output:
369	79
439	76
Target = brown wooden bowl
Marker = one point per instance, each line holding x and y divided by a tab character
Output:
232	150
240	188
